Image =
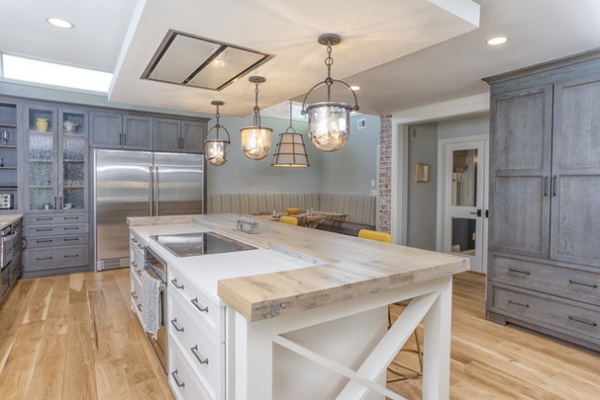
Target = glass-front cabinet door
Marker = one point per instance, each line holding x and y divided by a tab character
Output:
73	156
57	158
42	171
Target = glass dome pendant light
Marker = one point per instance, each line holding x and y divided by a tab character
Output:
291	151
256	140
329	122
217	149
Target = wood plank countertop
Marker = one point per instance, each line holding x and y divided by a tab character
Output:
353	267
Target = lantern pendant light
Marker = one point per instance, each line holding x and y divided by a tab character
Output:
329	122
256	140
291	151
217	149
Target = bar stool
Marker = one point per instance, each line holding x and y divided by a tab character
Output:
288	220
412	373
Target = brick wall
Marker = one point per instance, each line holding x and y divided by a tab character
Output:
384	210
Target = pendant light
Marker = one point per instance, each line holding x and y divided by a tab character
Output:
329	122
256	140
217	149
291	151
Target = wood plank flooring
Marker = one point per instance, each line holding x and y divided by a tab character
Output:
75	337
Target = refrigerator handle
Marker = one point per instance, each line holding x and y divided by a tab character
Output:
155	190
151	191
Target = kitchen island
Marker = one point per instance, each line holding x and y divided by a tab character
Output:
304	315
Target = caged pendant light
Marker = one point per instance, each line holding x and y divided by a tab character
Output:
329	122
256	140
217	149
291	151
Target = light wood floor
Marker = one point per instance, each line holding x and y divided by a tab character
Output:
74	337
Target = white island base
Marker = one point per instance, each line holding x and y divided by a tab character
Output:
342	350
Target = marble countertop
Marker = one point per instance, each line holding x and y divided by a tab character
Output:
8	219
347	267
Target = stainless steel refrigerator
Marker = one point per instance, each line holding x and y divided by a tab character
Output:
138	183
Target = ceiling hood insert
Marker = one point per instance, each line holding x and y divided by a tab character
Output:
189	60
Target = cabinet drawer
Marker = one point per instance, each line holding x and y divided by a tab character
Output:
52	219
136	295
549	311
43	258
183	382
204	310
50	230
566	282
53	241
204	352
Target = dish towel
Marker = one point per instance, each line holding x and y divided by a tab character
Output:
151	303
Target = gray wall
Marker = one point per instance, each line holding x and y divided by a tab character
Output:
464	127
353	168
421	215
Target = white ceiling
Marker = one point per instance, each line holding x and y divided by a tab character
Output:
403	54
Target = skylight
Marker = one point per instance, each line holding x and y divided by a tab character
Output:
48	73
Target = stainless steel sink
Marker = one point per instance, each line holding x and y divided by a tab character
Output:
200	243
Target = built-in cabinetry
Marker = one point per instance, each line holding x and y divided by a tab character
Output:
544	266
179	135
10	265
120	130
56	196
124	130
196	332
9	181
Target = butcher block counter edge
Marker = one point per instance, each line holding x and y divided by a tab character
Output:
356	267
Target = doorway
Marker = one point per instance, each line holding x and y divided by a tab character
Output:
463	185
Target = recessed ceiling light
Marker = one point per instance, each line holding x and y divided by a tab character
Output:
498	40
355	88
60	23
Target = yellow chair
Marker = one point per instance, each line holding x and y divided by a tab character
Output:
393	368
375	235
288	220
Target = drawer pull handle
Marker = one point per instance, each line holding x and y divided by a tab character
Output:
176	378
201	359
140	246
139	306
518	304
133	264
43	219
582	320
71	228
134	295
71	240
71	217
44	241
133	240
43	258
176	326
71	255
590	285
199	306
174	282
139	272
518	271
44	230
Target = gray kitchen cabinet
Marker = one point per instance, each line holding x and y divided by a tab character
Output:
179	135
120	130
56	199
9	159
544	266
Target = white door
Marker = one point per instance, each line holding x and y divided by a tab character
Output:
464	201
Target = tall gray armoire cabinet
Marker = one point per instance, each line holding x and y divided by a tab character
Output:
544	238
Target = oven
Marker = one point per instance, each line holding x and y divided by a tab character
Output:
157	269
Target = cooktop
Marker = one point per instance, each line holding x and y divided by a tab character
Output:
199	243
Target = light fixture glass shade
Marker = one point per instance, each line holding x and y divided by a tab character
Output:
291	151
329	125
216	151
256	142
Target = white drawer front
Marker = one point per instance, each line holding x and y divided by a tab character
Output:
204	352
181	377
208	313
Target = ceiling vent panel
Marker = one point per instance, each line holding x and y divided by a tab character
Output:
189	60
